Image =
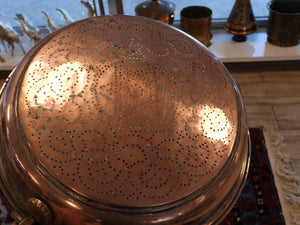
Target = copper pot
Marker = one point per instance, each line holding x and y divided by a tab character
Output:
122	120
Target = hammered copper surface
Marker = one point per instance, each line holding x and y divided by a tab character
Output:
120	114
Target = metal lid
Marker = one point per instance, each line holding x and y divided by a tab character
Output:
123	111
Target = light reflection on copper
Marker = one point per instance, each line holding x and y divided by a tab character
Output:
8	119
8	113
33	178
63	75
19	162
72	204
215	124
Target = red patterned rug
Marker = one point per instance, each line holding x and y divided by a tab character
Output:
5	208
258	204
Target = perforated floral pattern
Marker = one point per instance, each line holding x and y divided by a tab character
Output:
126	113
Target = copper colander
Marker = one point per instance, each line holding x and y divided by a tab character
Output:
122	120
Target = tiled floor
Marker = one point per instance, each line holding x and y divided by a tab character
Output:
271	93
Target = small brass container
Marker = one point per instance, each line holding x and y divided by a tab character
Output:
157	9
284	23
241	21
196	21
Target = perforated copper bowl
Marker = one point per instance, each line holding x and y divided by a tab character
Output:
122	120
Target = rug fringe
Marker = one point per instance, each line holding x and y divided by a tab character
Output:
286	180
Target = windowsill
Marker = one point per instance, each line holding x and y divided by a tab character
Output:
255	49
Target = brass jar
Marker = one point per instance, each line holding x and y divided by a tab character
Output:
160	10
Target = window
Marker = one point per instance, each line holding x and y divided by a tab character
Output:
32	9
76	10
221	8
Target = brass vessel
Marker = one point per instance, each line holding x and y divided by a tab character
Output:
160	10
196	21
284	23
241	21
121	120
